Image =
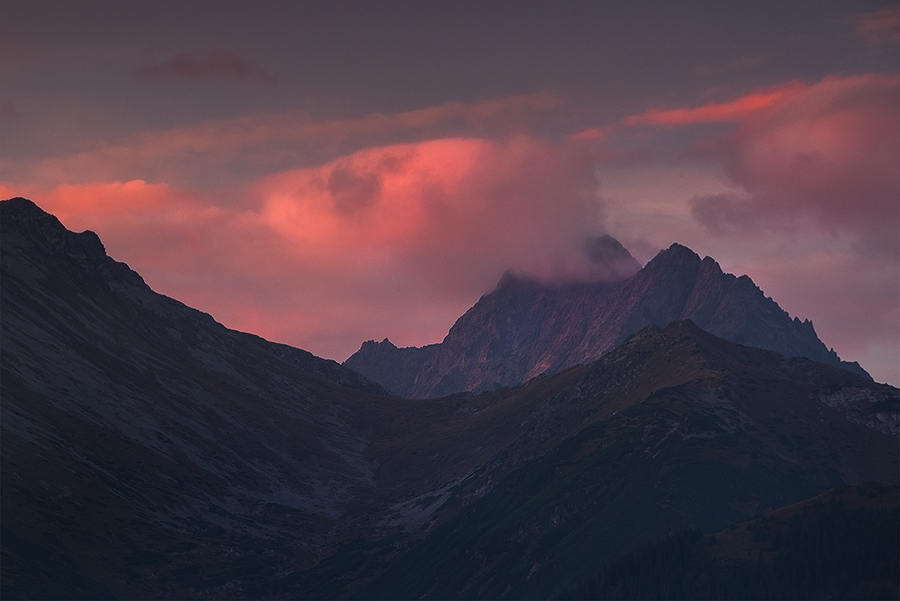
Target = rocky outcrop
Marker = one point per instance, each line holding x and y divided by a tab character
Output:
873	408
390	364
525	328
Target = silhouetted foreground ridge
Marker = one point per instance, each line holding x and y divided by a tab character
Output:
149	452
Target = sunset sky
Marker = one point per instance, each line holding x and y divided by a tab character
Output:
323	173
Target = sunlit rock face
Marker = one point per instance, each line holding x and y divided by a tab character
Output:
525	328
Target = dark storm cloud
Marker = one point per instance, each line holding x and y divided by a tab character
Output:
880	26
216	63
351	191
742	63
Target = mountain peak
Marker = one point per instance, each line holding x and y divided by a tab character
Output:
508	279
23	206
525	327
26	226
43	259
25	216
676	253
372	344
610	261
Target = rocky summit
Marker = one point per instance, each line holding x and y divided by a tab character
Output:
148	452
525	328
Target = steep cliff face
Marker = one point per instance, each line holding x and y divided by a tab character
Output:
677	284
519	331
525	328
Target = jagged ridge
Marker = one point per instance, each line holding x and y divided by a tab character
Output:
525	328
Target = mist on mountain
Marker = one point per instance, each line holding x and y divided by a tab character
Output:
525	327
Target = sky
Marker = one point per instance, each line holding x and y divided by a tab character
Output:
325	173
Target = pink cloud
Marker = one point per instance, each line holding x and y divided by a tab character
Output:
394	240
734	110
400	240
590	134
823	154
216	63
828	152
452	209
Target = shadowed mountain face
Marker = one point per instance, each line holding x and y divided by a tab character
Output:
673	429
134	426
842	544
149	452
525	328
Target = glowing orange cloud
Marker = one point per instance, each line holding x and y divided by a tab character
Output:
80	204
392	240
519	203
735	110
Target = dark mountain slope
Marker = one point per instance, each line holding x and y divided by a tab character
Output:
149	452
674	429
525	328
134	427
842	544
40	252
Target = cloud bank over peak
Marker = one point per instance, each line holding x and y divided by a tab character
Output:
396	239
453	210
